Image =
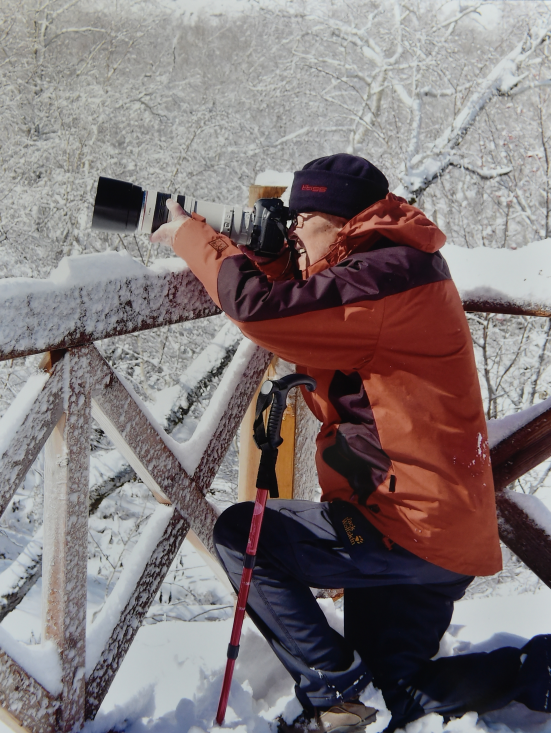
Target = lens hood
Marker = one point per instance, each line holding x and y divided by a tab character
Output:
117	207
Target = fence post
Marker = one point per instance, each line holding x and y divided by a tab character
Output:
296	478
249	455
65	556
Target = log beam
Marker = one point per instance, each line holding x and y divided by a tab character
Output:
24	698
523	536
522	451
85	312
64	590
512	457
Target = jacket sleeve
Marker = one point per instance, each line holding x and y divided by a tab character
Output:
315	322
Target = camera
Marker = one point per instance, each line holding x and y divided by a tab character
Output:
125	207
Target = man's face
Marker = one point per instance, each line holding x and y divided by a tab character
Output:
316	232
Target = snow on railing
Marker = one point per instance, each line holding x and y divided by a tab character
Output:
92	297
503	280
86	299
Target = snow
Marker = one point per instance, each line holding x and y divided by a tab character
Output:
39	660
95	296
521	276
100	629
171	678
499	430
16	570
190	452
208	359
534	507
19	409
105	464
91	268
277	178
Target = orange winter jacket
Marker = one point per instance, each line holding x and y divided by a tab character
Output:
380	326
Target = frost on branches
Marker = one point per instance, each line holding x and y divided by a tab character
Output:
451	101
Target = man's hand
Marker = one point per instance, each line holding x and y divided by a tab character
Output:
167	233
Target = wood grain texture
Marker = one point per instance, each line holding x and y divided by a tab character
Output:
507	308
65	558
134	613
231	420
523	536
305	476
264	192
145	450
122	418
23	697
521	452
514	456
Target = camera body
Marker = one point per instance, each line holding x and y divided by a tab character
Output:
123	207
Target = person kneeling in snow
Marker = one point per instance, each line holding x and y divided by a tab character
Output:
407	515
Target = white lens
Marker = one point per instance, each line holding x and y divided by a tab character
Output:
148	212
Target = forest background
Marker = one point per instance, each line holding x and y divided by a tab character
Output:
451	100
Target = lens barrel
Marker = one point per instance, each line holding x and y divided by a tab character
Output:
117	207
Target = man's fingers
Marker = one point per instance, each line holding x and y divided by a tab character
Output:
174	208
167	232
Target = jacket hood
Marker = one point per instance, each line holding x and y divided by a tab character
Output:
391	217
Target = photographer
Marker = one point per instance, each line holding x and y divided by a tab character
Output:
407	515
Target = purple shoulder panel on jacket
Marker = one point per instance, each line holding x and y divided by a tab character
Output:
247	295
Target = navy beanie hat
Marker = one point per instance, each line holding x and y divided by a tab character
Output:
342	185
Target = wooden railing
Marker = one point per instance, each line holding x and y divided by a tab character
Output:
61	318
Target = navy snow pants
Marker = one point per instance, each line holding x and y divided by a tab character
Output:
396	610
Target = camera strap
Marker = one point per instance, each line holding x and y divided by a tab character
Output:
267	478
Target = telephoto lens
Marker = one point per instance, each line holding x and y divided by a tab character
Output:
124	207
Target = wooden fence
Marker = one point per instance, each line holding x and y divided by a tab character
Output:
61	318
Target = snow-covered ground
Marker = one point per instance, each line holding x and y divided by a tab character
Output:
171	678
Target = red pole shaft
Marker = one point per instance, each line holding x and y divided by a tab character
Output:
248	565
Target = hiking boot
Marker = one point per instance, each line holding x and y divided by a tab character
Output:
348	716
343	718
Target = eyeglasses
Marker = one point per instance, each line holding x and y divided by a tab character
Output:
293	215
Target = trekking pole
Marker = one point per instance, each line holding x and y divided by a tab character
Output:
273	392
